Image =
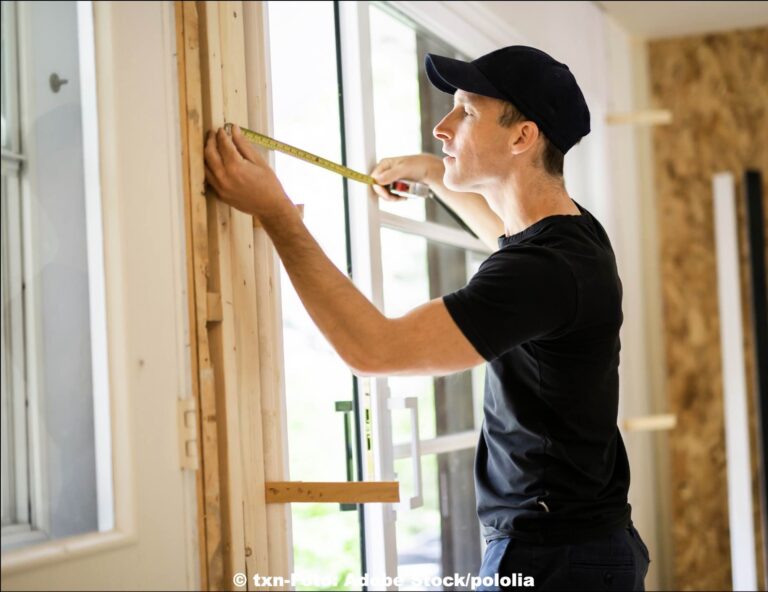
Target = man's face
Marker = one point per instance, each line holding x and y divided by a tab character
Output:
478	147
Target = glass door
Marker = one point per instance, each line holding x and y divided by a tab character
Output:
319	387
431	424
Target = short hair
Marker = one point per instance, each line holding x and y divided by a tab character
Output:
551	156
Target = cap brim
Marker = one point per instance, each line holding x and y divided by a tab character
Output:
448	75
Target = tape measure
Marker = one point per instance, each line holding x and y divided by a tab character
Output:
401	187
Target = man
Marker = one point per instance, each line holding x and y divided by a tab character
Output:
544	311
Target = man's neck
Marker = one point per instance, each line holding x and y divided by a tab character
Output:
523	202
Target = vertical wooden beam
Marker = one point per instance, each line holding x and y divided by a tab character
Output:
234	341
210	506
267	265
234	307
192	276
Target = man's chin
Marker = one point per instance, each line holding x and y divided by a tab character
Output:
452	183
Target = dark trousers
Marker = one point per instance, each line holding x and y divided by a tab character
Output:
618	561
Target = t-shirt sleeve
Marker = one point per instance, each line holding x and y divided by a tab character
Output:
516	295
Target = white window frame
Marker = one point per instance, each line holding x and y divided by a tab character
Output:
28	413
15	475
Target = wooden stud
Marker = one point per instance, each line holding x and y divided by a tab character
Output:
234	342
267	265
235	270
647	423
190	105
647	117
344	492
214	314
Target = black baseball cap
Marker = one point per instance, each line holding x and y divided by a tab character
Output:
541	88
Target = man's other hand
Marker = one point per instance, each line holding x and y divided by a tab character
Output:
423	168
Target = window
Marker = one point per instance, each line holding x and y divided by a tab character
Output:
420	263
424	253
306	114
56	453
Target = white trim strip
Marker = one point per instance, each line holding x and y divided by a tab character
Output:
742	531
433	231
96	278
440	444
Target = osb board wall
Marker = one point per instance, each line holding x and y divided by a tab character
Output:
717	89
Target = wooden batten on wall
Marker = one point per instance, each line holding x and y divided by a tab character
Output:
235	318
223	296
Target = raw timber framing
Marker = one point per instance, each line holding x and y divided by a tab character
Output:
235	318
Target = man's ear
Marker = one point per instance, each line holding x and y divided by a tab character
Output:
524	136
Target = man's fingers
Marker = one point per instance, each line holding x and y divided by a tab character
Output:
227	149
210	178
244	146
383	172
383	193
212	157
388	171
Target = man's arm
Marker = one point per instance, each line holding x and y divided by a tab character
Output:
426	341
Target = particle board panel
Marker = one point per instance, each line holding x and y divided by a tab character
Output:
715	86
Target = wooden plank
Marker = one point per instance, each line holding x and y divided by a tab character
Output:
235	346
647	423
212	533
344	492
647	117
222	337
214	314
267	266
249	368
197	248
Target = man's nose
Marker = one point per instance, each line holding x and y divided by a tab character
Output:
441	132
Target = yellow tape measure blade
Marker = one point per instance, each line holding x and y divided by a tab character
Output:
272	144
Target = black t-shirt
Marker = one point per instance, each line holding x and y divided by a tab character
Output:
545	311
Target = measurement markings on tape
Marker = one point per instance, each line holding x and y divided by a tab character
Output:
401	187
273	144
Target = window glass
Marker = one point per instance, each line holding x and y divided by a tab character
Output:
441	537
406	105
56	466
444	532
397	116
305	114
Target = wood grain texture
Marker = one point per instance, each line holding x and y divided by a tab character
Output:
717	89
267	268
234	341
343	492
190	97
